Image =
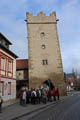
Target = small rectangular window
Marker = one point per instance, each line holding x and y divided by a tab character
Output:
9	88
2	63
2	88
45	62
10	66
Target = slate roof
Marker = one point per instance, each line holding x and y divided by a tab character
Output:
8	51
5	38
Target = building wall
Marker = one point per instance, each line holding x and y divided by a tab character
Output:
21	79
38	72
4	92
7	58
20	75
7	78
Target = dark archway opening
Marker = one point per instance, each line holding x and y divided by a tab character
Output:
49	84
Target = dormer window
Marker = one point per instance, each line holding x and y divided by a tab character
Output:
4	41
6	45
1	41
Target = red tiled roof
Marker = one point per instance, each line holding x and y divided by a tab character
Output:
22	64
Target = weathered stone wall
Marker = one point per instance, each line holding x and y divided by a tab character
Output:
38	72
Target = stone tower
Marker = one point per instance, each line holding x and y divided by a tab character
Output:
44	51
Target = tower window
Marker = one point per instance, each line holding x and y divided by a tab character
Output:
45	62
43	46
42	34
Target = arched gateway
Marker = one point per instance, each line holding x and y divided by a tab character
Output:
49	84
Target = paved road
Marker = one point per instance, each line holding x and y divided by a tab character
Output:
68	109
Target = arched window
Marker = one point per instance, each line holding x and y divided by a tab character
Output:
43	46
42	34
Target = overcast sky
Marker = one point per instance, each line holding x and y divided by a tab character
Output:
13	26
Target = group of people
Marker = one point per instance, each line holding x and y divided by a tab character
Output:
30	96
35	96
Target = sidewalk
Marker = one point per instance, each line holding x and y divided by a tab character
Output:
6	104
15	110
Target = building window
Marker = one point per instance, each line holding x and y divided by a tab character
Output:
2	63
6	45
26	74
42	34
43	46
10	66
9	88
45	62
2	88
1	41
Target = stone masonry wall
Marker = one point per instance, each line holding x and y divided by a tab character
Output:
38	73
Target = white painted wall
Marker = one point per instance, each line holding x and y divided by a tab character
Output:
7	97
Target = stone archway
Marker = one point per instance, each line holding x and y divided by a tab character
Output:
49	84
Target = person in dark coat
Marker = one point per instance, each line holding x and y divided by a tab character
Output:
28	96
20	97
38	96
57	93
